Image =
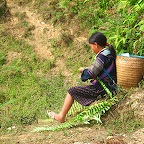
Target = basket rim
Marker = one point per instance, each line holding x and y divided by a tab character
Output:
131	56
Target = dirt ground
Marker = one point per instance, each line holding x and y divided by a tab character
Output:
91	134
86	134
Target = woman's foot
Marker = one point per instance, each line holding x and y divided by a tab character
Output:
57	117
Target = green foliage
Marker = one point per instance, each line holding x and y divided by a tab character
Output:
127	33
31	99
31	96
121	21
105	4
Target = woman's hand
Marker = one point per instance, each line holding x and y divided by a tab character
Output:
81	69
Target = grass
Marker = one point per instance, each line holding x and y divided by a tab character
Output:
126	124
122	118
27	88
28	96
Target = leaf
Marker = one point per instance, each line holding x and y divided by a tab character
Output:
97	118
85	1
86	122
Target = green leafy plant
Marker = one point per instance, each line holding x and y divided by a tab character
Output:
127	33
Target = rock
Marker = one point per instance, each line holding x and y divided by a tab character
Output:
137	104
115	140
138	136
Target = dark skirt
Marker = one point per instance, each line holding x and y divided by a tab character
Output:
85	95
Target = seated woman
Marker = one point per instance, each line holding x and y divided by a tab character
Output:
104	67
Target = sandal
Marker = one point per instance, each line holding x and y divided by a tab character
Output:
51	114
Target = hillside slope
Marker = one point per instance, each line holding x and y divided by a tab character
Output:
123	124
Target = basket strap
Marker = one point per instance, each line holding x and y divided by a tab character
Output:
105	88
109	76
103	75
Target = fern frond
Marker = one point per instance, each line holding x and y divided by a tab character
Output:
92	112
76	108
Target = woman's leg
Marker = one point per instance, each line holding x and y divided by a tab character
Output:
66	106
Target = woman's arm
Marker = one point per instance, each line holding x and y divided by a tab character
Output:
92	71
85	75
96	67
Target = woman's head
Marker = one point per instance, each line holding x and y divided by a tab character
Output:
98	38
99	41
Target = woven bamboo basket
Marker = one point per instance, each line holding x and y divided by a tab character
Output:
130	70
